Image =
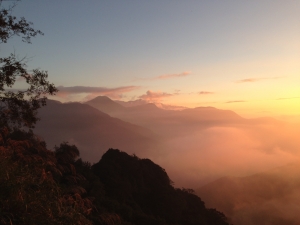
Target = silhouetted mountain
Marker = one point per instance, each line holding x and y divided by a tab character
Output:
105	104
269	198
145	195
39	186
91	130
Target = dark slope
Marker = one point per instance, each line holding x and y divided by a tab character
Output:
145	195
106	105
39	186
91	130
269	198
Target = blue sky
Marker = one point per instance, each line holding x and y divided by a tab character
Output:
191	53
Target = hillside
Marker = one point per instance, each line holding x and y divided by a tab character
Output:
105	104
91	130
39	186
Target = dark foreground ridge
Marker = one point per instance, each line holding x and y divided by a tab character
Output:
39	186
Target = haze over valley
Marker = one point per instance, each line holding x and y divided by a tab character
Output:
124	111
203	148
194	145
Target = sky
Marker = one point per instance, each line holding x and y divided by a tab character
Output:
229	54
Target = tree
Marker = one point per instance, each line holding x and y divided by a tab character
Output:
18	108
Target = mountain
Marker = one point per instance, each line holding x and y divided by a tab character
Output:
39	186
91	130
143	102
143	192
167	123
105	104
170	107
269	198
211	114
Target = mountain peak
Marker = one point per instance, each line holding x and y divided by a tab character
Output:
105	104
101	98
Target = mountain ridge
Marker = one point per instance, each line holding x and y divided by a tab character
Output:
92	130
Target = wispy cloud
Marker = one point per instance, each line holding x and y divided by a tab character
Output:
236	101
152	96
287	98
250	80
205	93
168	76
92	92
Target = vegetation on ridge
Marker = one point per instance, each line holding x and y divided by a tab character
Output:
38	186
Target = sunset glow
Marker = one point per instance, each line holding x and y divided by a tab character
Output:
150	112
239	56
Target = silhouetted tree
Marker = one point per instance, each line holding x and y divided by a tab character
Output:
18	108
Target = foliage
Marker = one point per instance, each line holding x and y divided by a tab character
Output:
30	191
38	186
18	108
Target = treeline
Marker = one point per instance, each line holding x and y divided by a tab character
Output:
39	186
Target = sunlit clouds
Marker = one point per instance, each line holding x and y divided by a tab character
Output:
165	76
206	93
236	101
152	96
168	76
218	52
250	80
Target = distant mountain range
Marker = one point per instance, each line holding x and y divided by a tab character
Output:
91	130
167	123
172	136
102	123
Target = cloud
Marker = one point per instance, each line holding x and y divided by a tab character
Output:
168	76
287	98
152	96
205	93
250	80
236	101
92	92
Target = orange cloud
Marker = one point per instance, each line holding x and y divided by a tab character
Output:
256	79
168	76
205	93
287	98
152	96
236	101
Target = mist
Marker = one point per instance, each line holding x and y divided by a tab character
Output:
246	168
211	153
